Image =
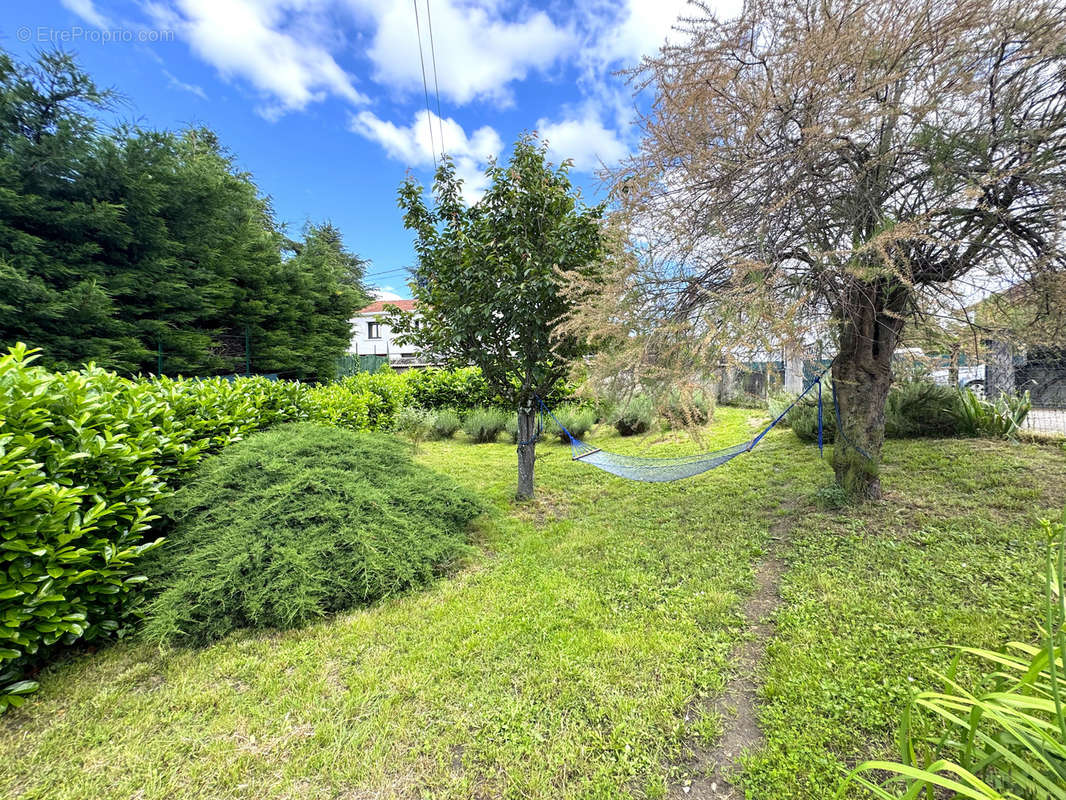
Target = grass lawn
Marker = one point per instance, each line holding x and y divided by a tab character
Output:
573	655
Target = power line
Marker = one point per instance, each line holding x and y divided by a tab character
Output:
436	90
425	85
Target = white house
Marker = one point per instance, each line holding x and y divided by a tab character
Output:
372	336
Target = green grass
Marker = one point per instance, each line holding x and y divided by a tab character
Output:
568	657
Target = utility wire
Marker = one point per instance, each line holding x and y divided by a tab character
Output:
425	85
436	89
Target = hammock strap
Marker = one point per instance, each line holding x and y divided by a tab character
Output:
820	452
816	382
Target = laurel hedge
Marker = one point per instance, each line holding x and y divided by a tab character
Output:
85	456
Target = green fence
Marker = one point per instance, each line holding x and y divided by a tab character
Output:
350	364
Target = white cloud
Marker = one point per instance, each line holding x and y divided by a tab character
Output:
88	12
584	139
259	43
192	88
478	52
414	145
640	27
385	293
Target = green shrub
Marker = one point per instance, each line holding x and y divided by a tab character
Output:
634	417
297	523
688	409
778	402
911	410
84	457
446	423
385	393
917	408
342	405
577	419
803	419
463	388
484	425
1000	418
414	423
1004	737
511	428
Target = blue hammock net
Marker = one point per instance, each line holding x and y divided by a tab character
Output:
654	470
672	468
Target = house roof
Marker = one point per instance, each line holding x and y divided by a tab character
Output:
379	305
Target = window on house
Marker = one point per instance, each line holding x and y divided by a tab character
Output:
373	330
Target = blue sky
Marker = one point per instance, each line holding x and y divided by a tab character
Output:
322	100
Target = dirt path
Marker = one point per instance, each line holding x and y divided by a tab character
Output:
710	768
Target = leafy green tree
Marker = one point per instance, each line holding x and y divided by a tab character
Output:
489	281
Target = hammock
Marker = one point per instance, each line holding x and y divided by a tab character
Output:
658	470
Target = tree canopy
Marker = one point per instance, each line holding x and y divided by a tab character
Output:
489	280
138	248
843	166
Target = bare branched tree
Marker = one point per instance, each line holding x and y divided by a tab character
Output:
839	163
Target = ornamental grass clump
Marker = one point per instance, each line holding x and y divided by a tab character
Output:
446	423
576	419
296	524
484	425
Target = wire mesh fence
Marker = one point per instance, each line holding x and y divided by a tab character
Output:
1042	373
996	370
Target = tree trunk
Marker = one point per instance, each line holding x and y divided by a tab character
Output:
869	325
953	367
527	430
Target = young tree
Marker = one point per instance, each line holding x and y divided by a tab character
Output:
842	162
488	280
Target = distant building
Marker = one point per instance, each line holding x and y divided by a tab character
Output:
373	336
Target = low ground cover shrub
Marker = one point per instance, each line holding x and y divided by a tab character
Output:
297	523
484	425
